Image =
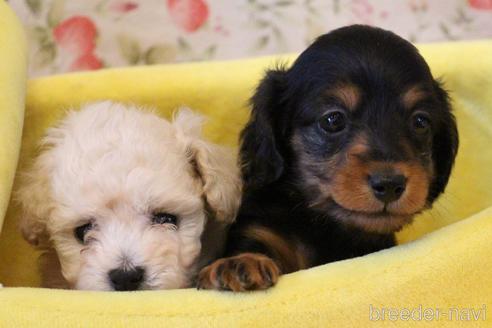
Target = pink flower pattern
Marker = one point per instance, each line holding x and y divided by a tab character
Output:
86	62
124	6
77	35
92	34
190	15
481	4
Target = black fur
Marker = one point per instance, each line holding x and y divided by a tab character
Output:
291	101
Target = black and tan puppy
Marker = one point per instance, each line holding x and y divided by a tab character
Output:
341	151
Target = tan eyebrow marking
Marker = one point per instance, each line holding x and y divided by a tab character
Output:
413	95
347	93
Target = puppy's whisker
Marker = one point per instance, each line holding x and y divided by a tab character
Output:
450	196
436	215
441	210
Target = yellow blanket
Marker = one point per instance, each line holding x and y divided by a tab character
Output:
12	93
440	274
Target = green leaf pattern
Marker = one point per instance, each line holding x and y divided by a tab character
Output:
133	32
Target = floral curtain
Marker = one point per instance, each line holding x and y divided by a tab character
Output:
72	35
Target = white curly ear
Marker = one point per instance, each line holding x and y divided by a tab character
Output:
216	166
218	170
34	194
188	123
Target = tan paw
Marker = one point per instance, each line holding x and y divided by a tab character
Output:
247	271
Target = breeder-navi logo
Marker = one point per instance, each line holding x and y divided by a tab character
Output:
421	313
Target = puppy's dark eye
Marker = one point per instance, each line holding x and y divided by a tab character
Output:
333	122
81	231
164	218
421	123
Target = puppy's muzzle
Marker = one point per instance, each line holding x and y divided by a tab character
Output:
387	187
122	279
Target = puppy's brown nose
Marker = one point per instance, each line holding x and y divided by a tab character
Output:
387	187
126	279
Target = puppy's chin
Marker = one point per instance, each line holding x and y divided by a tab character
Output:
382	222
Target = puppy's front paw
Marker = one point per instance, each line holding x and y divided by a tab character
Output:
247	271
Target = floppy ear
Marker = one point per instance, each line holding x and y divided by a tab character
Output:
215	166
445	145
34	194
261	160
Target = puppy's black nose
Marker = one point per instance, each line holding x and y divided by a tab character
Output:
126	279
387	187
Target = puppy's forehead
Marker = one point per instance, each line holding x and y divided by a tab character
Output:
371	58
413	95
351	95
347	93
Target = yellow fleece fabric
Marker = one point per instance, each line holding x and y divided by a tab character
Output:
13	65
443	262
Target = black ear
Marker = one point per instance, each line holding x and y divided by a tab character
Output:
261	161
445	145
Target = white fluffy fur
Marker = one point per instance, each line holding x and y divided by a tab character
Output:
115	165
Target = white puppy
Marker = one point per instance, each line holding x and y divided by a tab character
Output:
119	198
